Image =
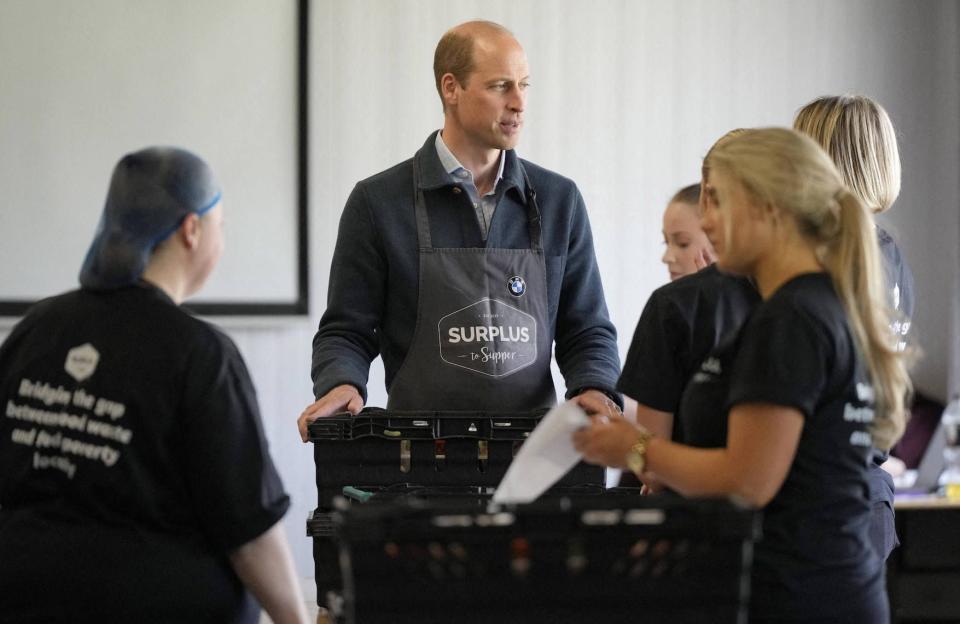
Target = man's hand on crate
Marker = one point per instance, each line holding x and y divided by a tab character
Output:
342	398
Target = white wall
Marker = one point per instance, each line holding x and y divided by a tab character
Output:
626	98
85	82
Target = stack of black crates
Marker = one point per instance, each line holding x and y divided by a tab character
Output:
405	532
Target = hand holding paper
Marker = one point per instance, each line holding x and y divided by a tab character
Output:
545	457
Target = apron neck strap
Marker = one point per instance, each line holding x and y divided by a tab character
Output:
533	212
420	207
423	221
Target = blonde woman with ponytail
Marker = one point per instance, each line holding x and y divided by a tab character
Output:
811	384
859	137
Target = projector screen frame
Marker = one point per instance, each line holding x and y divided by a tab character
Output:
299	305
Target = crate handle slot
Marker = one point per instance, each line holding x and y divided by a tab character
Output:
440	454
404	456
483	455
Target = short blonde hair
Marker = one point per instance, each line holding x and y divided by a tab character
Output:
454	52
858	135
787	169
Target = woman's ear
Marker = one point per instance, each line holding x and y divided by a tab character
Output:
769	212
189	231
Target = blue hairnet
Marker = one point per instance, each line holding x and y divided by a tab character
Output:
151	192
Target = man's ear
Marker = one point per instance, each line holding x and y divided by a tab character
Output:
450	89
189	231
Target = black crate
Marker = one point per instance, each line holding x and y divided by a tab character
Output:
400	451
380	448
321	524
563	558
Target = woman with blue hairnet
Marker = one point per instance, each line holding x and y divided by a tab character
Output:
135	480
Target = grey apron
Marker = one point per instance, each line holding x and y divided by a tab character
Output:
482	339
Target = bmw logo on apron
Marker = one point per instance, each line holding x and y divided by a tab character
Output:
517	286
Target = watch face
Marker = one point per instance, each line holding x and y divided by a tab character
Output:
635	460
637	455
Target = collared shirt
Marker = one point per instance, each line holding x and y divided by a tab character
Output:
483	206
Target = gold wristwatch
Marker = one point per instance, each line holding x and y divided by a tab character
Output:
637	455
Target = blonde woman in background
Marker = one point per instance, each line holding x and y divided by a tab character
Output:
813	354
858	135
860	138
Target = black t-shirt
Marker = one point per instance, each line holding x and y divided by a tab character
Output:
701	420
681	323
797	351
132	461
685	320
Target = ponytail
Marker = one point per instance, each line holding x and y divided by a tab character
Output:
853	261
789	170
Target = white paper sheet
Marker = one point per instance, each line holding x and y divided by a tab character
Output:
546	456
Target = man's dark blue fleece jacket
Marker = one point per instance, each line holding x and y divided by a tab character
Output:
372	297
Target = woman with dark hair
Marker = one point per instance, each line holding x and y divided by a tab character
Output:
680	324
686	248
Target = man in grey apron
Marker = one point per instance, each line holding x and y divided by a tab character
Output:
465	267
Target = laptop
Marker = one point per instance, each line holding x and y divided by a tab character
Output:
928	470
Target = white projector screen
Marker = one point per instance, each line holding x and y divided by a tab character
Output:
86	82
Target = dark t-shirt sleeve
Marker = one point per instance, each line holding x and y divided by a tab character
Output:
654	374
235	488
782	360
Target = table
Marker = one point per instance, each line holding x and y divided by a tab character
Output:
923	574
